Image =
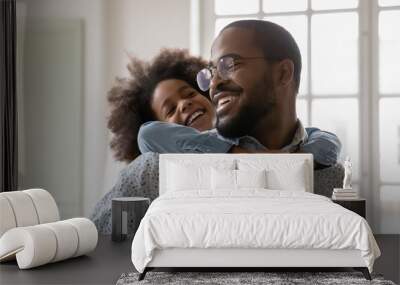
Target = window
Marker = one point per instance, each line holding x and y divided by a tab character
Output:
350	81
388	100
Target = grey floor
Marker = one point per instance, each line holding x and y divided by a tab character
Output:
110	260
389	262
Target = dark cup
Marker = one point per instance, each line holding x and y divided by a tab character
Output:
127	212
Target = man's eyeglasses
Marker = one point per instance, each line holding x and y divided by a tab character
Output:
225	68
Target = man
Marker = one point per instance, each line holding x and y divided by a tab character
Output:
253	79
255	82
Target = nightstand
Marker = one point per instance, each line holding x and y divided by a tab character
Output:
356	205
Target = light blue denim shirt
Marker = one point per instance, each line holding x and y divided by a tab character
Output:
162	137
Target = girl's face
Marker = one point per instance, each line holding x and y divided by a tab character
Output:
175	101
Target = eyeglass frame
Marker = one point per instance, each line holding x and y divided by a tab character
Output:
212	70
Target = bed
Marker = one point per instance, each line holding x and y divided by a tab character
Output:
245	211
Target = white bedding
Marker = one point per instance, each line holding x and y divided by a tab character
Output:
251	218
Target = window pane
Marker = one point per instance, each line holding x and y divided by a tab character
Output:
297	26
236	7
389	2
302	111
334	40
389	47
389	139
222	22
337	4
389	211
340	116
270	6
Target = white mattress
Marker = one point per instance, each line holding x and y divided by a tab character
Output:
253	218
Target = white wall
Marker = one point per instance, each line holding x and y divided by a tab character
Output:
110	29
92	141
141	28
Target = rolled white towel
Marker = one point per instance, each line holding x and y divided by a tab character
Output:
87	234
45	205
40	244
67	239
33	246
7	220
23	208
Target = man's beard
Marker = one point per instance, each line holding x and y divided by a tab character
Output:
245	120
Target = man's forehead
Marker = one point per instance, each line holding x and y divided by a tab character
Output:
234	40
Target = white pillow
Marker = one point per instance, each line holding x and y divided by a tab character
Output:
251	179
237	179
223	179
183	176
281	174
293	179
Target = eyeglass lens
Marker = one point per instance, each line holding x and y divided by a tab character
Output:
224	68
203	79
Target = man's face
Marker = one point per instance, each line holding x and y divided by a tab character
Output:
248	95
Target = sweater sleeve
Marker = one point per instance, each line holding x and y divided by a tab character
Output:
161	137
324	146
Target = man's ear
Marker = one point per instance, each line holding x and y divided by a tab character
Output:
285	71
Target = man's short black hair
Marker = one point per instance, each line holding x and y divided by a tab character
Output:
275	41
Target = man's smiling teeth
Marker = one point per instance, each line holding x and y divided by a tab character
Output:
224	101
194	116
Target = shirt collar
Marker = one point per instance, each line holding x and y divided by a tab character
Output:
233	141
299	138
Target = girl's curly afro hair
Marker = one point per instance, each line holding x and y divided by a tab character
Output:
130	98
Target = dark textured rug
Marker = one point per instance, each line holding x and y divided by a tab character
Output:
273	278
